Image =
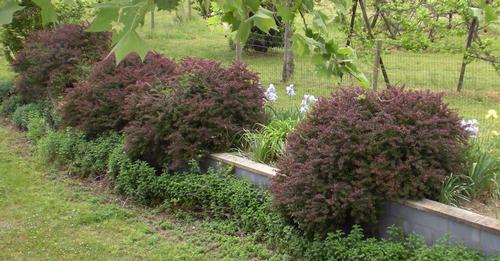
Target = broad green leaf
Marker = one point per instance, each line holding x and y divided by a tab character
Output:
233	5
358	75
7	10
48	11
299	45
244	31
264	20
285	13
342	6
131	42
308	5
317	59
322	23
253	4
167	4
102	21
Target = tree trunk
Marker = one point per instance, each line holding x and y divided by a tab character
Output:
152	21
470	38
239	50
288	59
370	34
353	20
189	9
376	64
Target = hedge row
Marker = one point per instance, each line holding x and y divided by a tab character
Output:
169	112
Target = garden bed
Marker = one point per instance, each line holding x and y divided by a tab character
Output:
429	218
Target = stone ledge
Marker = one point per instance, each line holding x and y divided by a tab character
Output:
433	207
244	163
456	214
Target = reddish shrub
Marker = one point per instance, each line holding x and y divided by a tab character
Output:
97	104
52	61
203	113
357	149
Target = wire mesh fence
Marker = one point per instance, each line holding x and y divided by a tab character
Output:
438	72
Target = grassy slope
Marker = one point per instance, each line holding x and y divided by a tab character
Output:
44	218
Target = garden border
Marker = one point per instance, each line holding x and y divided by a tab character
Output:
429	218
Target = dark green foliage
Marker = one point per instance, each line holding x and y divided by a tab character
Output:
244	209
22	113
9	105
358	148
355	246
37	127
52	61
5	89
116	159
138	179
94	155
221	196
61	147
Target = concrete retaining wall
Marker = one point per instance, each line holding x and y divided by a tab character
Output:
431	219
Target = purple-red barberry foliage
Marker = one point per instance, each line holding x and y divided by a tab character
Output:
96	105
52	61
204	112
358	148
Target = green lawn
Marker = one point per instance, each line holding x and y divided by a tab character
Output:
44	216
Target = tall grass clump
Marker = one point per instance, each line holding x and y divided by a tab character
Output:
481	177
267	144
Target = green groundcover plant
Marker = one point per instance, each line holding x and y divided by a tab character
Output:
218	195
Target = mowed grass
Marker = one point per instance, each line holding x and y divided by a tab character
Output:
46	217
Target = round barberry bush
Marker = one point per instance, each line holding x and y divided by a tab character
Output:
205	111
96	105
359	148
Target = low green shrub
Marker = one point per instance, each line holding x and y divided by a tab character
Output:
94	155
21	115
355	246
9	105
138	179
61	147
116	159
5	89
37	127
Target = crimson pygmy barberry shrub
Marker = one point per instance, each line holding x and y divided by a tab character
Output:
359	148
52	61
96	105
204	112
